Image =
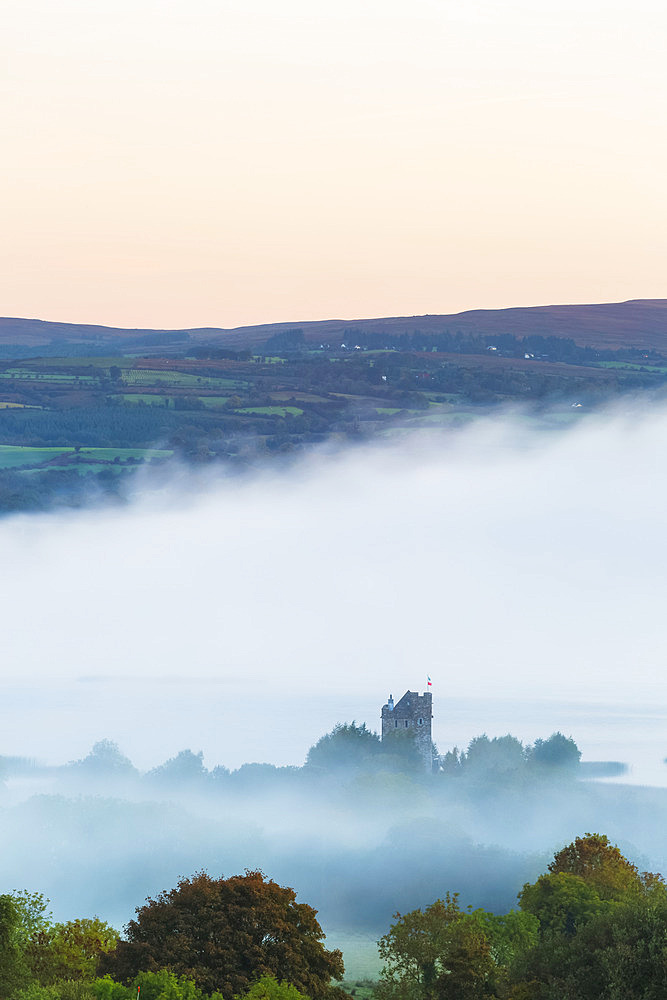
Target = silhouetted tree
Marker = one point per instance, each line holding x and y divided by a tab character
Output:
346	746
558	752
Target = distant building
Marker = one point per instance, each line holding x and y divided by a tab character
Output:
413	714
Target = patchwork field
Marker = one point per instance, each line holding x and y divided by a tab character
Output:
92	417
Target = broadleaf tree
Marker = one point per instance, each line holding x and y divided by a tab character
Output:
226	933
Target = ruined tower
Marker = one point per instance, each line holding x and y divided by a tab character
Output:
413	714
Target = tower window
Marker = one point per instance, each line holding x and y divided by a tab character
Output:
395	723
407	723
420	722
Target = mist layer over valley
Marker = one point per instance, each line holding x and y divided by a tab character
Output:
520	567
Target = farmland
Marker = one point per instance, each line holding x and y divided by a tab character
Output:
78	420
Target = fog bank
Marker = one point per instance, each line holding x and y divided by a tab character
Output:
505	561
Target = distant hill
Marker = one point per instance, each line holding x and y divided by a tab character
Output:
639	323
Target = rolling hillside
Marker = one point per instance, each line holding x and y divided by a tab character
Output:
639	323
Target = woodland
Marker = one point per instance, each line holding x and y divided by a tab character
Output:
592	927
430	865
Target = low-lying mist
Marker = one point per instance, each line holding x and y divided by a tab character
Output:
358	841
520	566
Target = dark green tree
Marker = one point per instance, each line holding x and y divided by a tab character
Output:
561	902
347	746
226	933
14	970
620	954
558	753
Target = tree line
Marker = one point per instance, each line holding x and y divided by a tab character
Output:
347	750
592	927
448	341
221	938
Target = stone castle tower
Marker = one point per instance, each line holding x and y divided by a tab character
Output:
413	713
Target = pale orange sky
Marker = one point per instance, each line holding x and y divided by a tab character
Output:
221	162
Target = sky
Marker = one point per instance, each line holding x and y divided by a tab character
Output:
226	162
522	569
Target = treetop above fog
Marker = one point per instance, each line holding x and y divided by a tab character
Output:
352	748
502	757
349	749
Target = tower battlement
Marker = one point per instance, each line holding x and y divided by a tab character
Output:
413	714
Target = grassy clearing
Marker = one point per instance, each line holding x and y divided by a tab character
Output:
360	955
13	457
147	399
157	399
145	376
213	402
271	411
184	380
299	397
360	989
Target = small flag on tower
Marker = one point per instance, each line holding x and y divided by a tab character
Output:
429	681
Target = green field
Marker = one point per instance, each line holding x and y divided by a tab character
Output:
147	398
184	380
213	402
12	457
271	411
17	456
298	397
360	954
157	399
